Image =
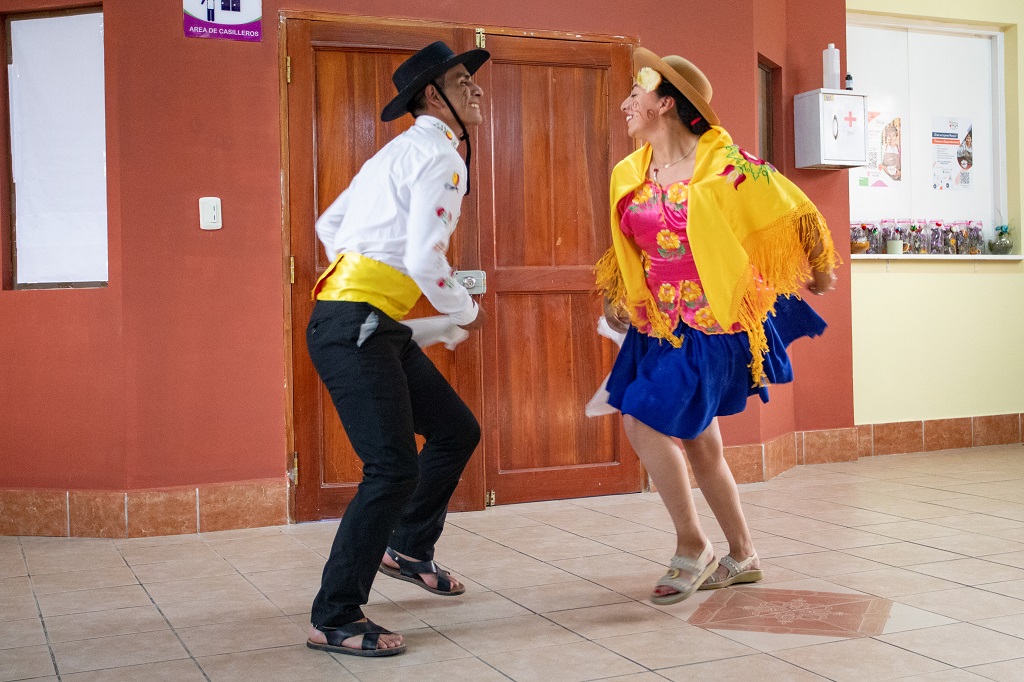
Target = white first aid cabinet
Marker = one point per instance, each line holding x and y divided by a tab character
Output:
830	129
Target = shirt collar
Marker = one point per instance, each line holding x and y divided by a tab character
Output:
440	126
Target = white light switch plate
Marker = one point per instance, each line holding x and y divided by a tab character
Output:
210	217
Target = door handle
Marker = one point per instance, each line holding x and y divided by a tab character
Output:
475	281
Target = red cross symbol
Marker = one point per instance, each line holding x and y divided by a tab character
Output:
850	118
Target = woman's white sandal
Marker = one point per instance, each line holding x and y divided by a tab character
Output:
739	572
695	571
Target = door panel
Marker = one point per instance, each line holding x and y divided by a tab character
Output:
550	139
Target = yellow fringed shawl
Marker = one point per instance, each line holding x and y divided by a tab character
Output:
750	230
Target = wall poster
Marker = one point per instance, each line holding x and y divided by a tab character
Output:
885	151
952	153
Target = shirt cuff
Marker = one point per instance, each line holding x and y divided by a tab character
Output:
465	316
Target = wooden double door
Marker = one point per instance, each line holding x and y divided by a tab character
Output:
536	221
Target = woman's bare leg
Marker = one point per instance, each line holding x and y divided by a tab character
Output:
664	461
707	457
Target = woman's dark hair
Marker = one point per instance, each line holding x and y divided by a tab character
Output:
688	114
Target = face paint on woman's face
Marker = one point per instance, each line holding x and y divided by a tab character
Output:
641	109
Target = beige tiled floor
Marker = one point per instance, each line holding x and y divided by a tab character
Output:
557	590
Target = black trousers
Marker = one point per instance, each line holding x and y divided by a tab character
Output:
386	391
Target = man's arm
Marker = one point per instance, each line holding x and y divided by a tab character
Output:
434	208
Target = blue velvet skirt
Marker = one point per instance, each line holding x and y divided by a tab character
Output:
678	391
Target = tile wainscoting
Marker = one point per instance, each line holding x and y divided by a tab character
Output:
144	513
253	504
755	463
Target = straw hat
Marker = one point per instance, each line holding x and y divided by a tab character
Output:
683	74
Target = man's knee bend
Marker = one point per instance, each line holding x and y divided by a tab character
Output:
472	433
396	479
460	434
466	436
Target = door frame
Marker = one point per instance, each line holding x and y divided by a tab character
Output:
285	17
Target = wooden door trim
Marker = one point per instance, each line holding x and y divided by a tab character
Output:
286	254
377	23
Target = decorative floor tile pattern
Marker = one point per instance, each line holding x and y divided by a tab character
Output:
794	612
903	567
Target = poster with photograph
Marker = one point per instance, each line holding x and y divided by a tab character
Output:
224	19
952	153
885	151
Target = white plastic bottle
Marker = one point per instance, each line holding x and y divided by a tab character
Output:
830	67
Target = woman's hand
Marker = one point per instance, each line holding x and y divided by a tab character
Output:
617	318
822	282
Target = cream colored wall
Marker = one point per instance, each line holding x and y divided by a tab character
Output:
934	339
939	339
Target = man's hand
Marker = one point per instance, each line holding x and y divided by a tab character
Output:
822	283
617	318
481	318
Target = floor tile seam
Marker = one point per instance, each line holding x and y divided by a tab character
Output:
78	569
810	542
42	622
573	533
994	515
87	589
843	633
986	585
649	669
991	629
170	625
771	654
355	673
196	659
628	598
134	632
995	564
543	616
878	639
918	653
261	592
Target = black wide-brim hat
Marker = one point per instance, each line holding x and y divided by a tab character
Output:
419	70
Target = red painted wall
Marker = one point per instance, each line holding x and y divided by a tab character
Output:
174	373
823	397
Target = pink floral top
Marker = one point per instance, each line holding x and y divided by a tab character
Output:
655	218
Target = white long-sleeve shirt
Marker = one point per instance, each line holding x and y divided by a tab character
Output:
401	209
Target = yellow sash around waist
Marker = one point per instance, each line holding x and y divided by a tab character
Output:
354	277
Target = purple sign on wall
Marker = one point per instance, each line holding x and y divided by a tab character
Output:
224	19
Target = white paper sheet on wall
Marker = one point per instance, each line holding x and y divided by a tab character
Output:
58	149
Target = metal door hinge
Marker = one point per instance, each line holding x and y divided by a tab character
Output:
293	472
481	38
291	269
288	69
489	499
